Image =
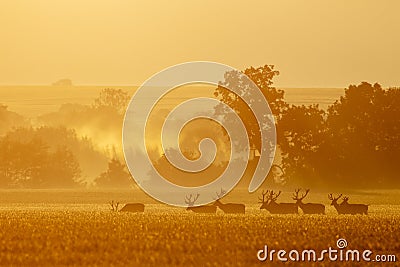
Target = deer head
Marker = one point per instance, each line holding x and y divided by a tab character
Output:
190	200
296	195
345	200
334	199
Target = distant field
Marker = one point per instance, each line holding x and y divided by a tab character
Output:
32	101
56	228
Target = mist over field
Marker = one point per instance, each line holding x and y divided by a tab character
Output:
52	106
85	122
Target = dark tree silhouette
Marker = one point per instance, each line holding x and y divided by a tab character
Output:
301	131
356	144
91	161
363	141
31	164
115	98
263	78
62	171
115	176
21	162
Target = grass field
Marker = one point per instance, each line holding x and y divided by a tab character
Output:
57	228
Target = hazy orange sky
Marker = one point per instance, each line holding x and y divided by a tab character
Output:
313	43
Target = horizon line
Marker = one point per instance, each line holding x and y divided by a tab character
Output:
136	86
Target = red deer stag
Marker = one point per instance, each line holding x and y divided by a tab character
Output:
199	209
228	208
308	208
130	207
276	208
353	208
339	208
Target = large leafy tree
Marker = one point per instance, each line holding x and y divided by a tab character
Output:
356	144
263	78
363	142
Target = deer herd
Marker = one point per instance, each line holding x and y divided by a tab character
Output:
268	201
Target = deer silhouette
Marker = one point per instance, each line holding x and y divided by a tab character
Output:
308	208
198	209
276	208
130	207
339	208
353	208
228	208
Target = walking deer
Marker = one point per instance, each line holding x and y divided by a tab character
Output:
130	207
353	208
198	209
339	208
276	208
228	207
308	208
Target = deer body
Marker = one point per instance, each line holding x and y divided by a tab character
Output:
339	209
346	208
230	207
199	209
308	208
133	207
130	207
353	208
277	208
280	208
311	208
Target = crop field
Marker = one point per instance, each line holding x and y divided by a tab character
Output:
78	228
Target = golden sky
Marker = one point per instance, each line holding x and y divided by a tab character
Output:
313	43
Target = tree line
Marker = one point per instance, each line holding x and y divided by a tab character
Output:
355	143
54	155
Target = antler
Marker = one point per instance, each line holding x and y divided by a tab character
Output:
189	201
220	195
346	198
263	196
273	196
304	195
330	197
296	194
